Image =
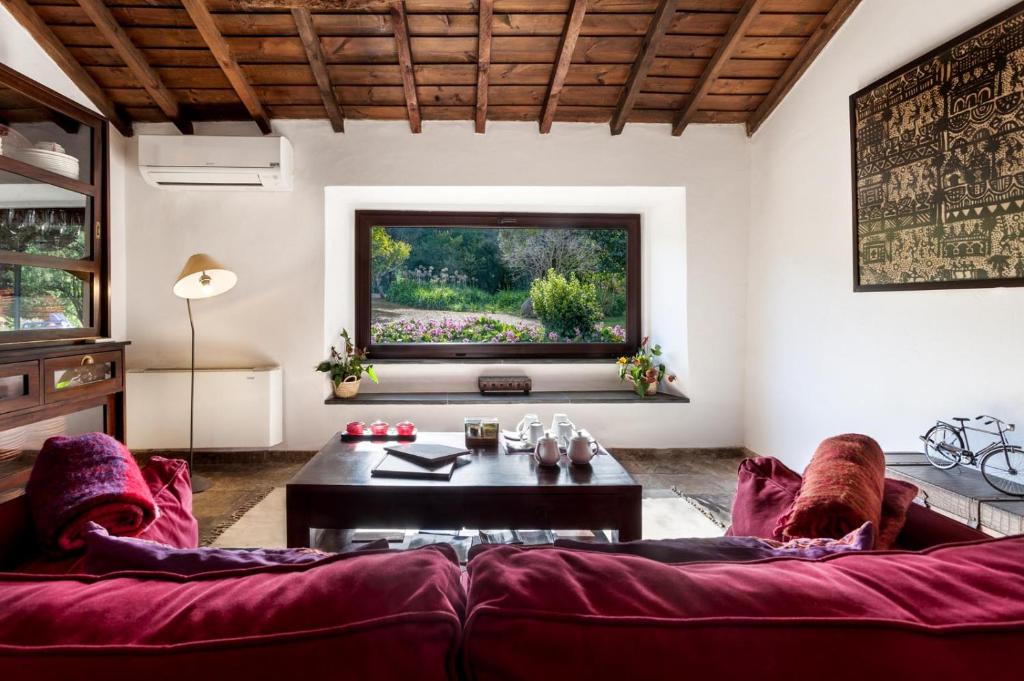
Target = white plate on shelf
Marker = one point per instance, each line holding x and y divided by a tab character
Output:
54	161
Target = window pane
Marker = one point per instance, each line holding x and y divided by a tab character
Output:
33	298
498	285
41	219
43	137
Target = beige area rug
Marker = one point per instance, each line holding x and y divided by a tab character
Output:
264	524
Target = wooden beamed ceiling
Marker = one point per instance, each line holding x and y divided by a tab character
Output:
675	62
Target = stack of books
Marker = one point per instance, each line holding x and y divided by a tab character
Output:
418	461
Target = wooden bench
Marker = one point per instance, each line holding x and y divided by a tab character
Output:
961	493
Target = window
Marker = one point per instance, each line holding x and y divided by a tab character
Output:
494	285
52	224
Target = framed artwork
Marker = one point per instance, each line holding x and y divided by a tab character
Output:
938	166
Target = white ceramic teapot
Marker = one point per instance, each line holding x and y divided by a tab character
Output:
581	450
547	452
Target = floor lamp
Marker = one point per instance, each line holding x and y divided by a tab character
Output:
201	277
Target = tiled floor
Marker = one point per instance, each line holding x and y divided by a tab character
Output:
692	472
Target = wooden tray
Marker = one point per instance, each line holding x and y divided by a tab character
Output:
369	437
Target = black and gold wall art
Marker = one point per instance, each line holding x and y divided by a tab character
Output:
938	166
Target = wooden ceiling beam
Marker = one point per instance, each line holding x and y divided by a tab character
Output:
817	41
318	64
737	31
483	63
132	57
204	22
401	28
663	19
74	70
565	51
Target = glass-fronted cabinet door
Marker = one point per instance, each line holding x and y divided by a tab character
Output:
52	220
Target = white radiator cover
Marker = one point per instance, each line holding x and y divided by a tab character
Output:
235	408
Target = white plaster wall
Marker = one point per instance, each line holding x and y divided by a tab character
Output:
276	244
821	359
19	51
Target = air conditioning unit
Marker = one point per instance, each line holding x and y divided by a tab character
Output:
202	162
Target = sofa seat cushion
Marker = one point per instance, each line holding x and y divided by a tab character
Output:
386	615
951	612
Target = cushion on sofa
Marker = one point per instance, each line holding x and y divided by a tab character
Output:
171	484
842	489
105	553
171	487
695	550
951	612
387	615
766	490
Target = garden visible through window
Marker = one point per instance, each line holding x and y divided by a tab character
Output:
531	283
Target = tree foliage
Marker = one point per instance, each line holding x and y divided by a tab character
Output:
388	256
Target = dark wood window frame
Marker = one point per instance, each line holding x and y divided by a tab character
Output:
366	219
96	269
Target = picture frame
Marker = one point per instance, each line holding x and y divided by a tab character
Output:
937	159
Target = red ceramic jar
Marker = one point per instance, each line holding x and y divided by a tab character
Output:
379	428
405	428
355	428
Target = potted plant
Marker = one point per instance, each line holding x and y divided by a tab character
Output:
641	370
346	368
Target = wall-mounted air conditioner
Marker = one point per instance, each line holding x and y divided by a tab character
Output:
208	162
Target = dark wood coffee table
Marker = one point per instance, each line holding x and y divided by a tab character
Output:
492	490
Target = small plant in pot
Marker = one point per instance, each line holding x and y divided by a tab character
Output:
643	370
346	368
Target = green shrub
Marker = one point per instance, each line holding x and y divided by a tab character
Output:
568	307
428	296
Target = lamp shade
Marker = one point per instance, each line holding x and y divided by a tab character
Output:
203	277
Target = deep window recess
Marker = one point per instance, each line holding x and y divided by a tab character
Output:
53	254
497	285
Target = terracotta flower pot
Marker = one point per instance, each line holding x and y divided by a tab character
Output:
347	388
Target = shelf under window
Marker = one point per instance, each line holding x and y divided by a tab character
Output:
536	397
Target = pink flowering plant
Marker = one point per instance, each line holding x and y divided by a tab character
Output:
484	329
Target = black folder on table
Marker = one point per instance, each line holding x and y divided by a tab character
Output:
427	454
392	466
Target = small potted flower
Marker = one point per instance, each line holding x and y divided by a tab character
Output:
641	370
346	368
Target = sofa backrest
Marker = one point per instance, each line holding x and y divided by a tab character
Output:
381	615
949	612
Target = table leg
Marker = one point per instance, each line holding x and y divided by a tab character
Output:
631	522
297	517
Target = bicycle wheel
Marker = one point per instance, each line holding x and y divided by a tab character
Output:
942	434
1004	470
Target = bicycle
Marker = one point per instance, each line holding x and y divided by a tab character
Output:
1001	464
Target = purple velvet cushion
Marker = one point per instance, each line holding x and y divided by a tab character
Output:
731	549
105	554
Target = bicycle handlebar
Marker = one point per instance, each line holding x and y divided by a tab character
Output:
993	419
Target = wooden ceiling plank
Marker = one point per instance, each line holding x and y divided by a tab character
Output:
318	64
136	62
401	28
203	20
41	33
565	51
483	63
740	25
824	33
663	18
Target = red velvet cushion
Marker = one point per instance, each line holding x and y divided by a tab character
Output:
389	615
171	485
765	490
954	612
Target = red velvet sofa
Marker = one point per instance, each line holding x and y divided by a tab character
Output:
536	613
